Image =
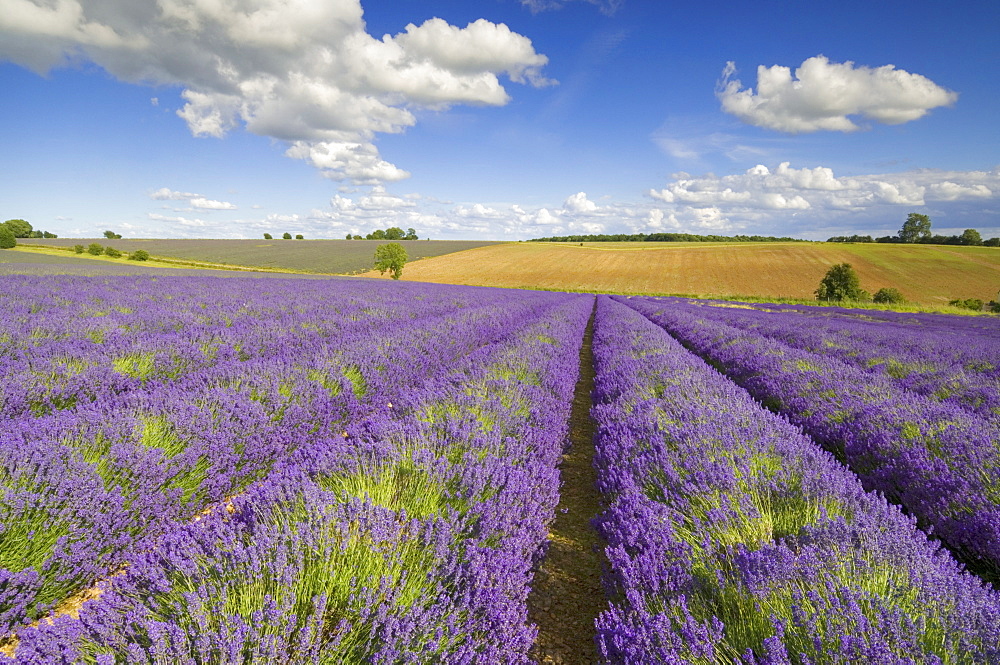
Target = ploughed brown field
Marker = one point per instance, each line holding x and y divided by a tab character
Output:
925	274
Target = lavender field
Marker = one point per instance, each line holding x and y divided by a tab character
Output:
206	470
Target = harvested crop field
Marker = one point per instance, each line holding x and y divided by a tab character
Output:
925	274
318	256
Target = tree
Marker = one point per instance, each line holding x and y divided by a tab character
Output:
95	249
390	257
840	283
411	234
138	255
971	237
268	236
19	227
111	235
916	228
299	236
286	236
46	234
377	234
394	233
112	252
888	296
79	249
7	239
350	237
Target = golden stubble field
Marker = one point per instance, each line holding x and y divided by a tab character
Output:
925	274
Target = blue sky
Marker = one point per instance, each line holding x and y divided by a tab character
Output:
504	119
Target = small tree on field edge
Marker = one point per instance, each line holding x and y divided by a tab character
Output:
7	239
888	296
916	227
267	236
138	255
841	283
391	258
95	249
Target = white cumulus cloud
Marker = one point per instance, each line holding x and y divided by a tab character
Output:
301	71
824	95
788	188
579	203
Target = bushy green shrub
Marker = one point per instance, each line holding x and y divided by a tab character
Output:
286	236
79	249
268	236
888	296
300	237
95	249
7	239
112	252
974	304
138	255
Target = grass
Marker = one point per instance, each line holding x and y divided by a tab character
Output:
324	257
402	487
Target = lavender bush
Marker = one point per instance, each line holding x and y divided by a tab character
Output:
953	359
732	538
936	459
367	494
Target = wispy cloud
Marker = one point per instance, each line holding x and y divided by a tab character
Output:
608	7
696	141
196	201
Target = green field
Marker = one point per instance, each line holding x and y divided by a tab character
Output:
331	257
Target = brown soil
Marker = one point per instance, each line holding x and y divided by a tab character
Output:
567	595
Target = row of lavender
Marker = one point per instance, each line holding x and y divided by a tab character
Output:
129	454
953	359
384	506
732	538
938	460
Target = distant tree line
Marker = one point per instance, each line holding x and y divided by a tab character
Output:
663	237
13	229
391	233
917	230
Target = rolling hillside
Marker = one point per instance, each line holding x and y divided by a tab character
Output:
926	274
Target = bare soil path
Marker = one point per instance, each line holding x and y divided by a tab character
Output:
567	595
